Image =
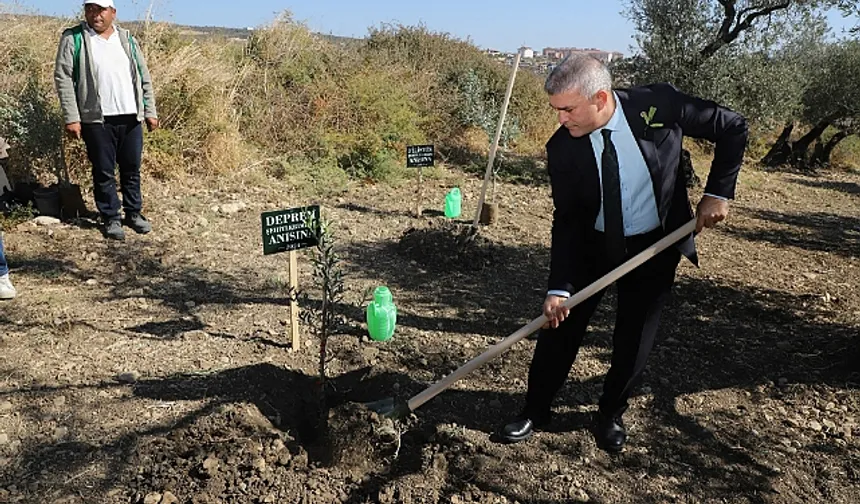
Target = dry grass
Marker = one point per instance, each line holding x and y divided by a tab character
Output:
846	155
285	94
286	101
29	119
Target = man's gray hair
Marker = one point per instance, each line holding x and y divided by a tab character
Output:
579	72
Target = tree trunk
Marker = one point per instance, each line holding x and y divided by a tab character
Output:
780	152
817	153
823	153
801	146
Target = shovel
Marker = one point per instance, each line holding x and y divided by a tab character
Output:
389	408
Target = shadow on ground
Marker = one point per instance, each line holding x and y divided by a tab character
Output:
814	231
851	188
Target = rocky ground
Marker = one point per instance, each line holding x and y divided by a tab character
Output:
159	370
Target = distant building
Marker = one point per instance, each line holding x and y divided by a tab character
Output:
557	53
527	52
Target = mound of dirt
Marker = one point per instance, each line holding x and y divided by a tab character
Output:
360	440
446	245
234	454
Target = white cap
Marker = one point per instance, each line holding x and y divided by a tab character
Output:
100	3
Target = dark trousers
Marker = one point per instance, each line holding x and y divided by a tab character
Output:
119	140
642	293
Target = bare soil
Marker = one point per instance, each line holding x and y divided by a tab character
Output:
159	370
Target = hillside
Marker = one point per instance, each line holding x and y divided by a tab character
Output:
243	34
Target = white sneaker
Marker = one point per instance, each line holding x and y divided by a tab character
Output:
7	290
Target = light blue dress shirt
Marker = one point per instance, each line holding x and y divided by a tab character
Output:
638	204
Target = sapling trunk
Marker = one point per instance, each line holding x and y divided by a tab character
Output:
322	319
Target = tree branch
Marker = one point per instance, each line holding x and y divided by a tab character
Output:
728	18
727	34
748	21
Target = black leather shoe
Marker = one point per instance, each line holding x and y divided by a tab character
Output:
609	433
519	430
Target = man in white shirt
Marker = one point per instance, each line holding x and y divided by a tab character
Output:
105	93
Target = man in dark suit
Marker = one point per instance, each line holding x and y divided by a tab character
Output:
617	189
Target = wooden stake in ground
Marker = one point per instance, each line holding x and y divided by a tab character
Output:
294	299
418	209
498	136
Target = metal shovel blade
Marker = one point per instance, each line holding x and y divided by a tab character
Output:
389	408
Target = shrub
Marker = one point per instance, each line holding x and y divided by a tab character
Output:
322	178
32	124
286	93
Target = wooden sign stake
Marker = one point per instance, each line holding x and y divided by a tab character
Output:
294	299
498	136
418	209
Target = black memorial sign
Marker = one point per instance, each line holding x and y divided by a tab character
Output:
293	229
419	156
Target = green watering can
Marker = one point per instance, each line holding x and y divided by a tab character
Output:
381	315
452	203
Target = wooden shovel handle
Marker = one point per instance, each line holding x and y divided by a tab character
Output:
492	157
598	285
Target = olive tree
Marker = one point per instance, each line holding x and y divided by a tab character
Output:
831	100
759	57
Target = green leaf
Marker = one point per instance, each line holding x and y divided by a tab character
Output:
657	125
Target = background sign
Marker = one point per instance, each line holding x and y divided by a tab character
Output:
285	230
419	156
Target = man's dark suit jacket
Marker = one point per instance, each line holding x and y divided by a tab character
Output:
575	181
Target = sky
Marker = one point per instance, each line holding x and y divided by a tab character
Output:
498	24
